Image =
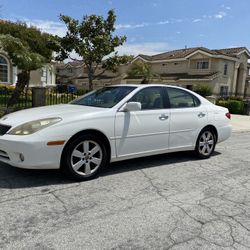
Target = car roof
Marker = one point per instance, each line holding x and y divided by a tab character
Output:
146	85
142	85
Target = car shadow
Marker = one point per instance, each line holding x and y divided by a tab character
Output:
15	178
151	162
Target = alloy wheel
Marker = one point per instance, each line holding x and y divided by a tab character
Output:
206	143
86	158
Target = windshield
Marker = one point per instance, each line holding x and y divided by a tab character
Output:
106	97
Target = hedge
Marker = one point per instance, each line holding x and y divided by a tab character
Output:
234	106
203	90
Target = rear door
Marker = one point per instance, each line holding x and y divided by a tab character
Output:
187	118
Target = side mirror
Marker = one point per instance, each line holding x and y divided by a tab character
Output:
131	106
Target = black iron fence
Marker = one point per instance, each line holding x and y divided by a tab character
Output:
24	101
231	95
52	96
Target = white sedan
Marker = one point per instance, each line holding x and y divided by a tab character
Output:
112	124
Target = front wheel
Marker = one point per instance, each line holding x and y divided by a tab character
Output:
205	144
84	158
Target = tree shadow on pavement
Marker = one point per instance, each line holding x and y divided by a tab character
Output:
14	178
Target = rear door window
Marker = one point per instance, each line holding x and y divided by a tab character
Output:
179	98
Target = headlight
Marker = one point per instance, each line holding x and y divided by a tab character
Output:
34	126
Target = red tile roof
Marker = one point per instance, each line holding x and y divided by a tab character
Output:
182	53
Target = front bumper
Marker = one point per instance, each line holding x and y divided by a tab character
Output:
35	151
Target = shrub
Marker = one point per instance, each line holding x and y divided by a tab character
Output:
80	92
234	106
203	90
236	98
222	103
1	113
6	89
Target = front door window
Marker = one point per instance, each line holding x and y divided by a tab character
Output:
150	98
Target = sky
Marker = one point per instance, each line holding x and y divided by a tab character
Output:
151	26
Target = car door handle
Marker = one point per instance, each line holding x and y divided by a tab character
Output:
201	114
163	117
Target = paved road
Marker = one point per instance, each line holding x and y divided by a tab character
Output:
164	202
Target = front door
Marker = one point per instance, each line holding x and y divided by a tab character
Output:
145	131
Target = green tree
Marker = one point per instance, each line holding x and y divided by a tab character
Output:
141	70
28	48
93	40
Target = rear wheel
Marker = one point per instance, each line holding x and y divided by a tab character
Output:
205	144
84	158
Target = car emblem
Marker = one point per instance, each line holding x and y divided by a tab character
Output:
5	118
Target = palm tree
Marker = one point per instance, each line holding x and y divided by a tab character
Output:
141	70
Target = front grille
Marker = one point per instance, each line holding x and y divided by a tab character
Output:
4	129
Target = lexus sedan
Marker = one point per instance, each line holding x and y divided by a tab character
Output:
112	124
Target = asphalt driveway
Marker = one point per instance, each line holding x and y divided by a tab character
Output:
163	202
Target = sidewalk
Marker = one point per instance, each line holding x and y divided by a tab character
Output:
240	123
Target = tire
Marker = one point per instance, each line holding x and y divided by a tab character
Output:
84	158
205	144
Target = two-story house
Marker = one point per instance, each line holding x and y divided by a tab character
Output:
76	72
248	79
42	77
225	70
68	73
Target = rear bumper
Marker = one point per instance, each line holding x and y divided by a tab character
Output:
36	154
224	133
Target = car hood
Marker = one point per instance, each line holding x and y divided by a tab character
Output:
65	111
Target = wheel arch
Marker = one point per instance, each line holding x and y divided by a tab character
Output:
212	128
98	133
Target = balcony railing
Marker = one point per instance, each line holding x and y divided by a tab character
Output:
199	71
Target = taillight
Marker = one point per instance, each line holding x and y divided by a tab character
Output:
228	115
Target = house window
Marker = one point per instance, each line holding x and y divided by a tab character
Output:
44	76
202	65
224	91
4	70
225	69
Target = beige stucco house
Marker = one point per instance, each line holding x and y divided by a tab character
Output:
42	77
69	72
248	75
225	70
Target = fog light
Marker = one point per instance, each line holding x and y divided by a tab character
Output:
21	157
